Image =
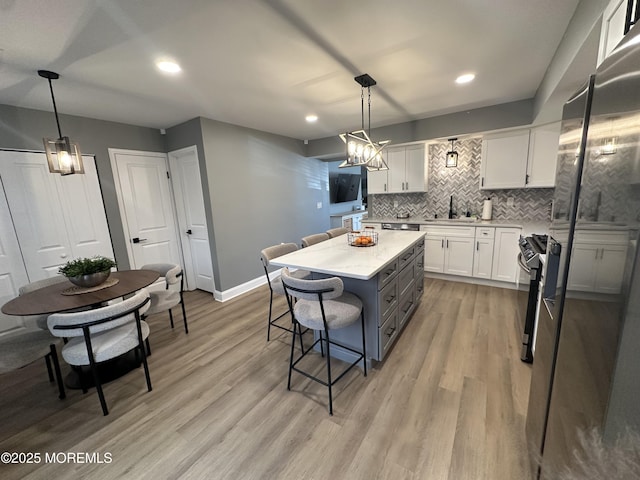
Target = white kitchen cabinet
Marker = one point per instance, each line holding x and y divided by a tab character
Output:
543	155
406	174
483	254
613	19
504	160
377	182
521	158
597	262
505	254
352	221
449	250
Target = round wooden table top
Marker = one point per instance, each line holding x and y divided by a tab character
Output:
51	300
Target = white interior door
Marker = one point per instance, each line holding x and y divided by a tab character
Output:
187	187
12	271
146	206
56	218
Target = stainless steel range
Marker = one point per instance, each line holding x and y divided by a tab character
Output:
531	248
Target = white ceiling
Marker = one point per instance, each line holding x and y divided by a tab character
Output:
265	64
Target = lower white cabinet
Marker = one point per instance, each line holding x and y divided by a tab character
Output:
449	249
597	262
483	255
505	254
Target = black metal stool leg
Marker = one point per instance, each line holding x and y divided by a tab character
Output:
326	332
171	317
56	366
364	349
293	342
47	360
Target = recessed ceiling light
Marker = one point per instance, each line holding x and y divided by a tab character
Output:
311	118
168	67
466	78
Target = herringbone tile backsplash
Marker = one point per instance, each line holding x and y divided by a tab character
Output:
462	183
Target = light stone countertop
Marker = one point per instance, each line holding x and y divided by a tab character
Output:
349	212
445	221
336	257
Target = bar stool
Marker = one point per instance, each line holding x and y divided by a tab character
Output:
336	232
313	239
275	285
324	306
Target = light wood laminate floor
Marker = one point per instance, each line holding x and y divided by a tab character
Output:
448	403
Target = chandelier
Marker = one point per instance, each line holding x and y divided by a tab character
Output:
63	155
361	150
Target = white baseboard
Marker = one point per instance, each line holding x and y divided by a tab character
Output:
473	280
223	296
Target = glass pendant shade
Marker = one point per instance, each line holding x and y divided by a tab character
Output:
452	156
63	156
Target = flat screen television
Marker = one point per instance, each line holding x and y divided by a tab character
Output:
344	187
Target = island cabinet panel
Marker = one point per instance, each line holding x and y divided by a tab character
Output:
388	278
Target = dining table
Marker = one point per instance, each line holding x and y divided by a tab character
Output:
65	297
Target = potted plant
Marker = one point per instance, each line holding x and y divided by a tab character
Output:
87	272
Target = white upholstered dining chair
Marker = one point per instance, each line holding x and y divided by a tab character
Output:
172	295
101	334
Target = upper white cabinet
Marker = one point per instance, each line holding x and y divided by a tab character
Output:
613	19
543	156
521	158
406	174
504	160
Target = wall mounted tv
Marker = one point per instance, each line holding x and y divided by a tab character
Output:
344	187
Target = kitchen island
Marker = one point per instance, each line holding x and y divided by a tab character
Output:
388	277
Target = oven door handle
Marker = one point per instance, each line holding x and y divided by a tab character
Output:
523	264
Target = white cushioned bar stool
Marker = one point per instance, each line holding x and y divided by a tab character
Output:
275	285
171	296
313	239
336	232
102	334
323	305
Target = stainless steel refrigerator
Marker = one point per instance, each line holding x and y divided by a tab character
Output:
586	376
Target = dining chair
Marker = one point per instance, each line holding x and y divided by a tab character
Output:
336	232
102	334
275	284
313	239
41	320
172	295
322	305
21	348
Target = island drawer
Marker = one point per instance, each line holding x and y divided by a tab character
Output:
387	274
406	257
407	305
405	280
485	232
387	301
387	334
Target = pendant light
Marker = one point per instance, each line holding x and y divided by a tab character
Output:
361	150
63	155
452	156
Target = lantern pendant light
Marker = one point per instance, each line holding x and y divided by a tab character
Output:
63	155
361	151
452	156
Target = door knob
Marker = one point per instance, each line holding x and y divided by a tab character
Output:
138	240
189	232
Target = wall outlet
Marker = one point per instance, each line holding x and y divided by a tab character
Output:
510	201
395	204
319	205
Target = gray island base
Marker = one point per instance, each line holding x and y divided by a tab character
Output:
388	277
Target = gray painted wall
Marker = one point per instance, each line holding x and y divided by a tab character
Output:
23	129
495	117
262	191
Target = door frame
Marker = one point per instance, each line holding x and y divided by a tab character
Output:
123	215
